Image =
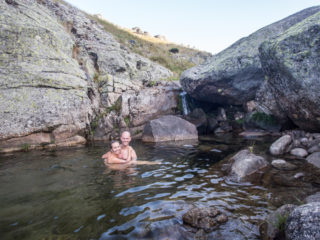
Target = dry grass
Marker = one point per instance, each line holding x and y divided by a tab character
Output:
155	49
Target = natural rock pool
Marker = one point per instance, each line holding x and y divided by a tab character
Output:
70	194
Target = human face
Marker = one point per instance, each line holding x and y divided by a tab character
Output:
125	138
115	147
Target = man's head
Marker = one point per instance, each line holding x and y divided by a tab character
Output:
115	147
125	138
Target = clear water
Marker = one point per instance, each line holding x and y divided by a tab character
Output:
70	194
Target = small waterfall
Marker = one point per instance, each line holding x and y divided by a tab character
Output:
185	108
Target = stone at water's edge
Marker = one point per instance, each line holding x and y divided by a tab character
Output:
169	128
199	119
314	159
304	222
291	65
234	75
270	228
299	152
246	164
280	146
283	165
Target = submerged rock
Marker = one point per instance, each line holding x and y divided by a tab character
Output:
283	165
169	128
204	218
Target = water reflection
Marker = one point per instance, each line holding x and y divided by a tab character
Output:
70	194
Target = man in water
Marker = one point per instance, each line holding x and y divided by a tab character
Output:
127	150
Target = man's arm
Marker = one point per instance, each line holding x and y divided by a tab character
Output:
110	158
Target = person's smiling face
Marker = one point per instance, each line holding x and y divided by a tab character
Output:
116	148
125	139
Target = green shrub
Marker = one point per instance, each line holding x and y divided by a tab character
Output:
174	50
115	107
264	118
127	121
25	147
282	220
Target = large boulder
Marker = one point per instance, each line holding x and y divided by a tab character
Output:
198	117
42	86
169	128
304	222
290	63
234	75
150	103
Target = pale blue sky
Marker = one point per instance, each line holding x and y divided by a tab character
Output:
210	25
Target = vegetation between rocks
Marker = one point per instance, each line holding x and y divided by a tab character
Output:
164	53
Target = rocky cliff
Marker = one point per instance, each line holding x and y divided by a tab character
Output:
60	71
234	75
291	65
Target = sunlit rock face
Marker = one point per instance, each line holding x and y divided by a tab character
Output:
291	65
59	70
234	75
42	86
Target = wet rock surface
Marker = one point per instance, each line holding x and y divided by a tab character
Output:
206	219
283	165
246	166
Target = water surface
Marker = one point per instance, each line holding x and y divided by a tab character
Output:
70	194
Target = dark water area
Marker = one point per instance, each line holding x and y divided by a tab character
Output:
70	194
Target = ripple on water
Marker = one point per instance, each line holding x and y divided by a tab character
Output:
187	176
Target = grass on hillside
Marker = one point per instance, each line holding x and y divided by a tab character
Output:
155	49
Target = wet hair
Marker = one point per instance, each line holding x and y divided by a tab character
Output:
112	142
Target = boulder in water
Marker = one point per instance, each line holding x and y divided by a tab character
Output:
246	164
204	218
169	128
